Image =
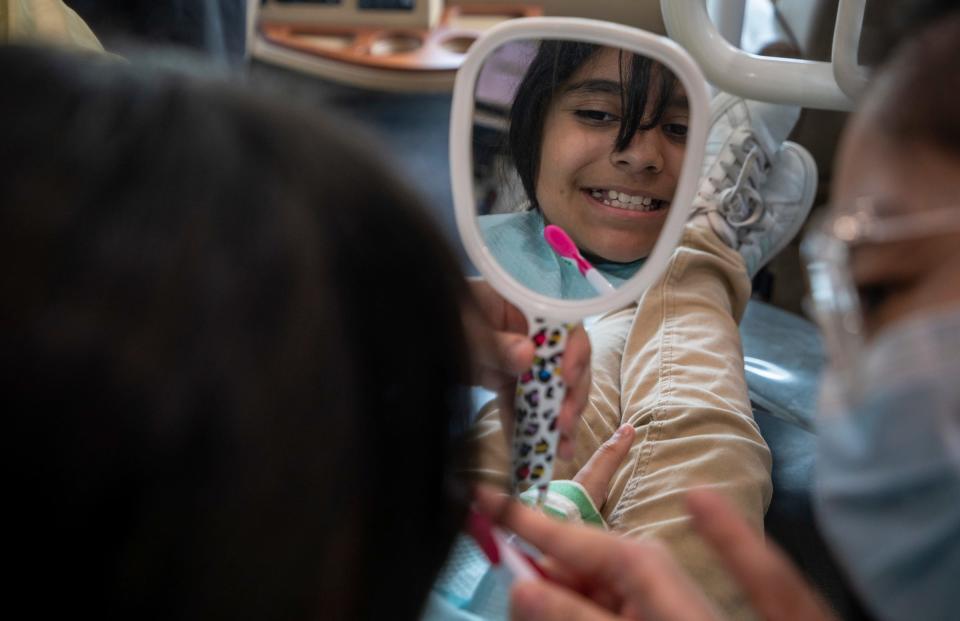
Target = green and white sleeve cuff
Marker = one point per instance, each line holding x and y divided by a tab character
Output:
567	501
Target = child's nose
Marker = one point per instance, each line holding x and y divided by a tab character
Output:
643	154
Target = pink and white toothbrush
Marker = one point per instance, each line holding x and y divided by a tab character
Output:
566	249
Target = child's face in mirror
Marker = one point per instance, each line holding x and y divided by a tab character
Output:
900	279
612	203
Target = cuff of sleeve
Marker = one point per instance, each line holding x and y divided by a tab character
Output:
567	501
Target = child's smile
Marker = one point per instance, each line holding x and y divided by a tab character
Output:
621	200
612	203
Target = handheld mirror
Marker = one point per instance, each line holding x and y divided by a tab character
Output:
575	151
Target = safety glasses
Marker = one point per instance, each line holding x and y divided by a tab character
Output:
835	300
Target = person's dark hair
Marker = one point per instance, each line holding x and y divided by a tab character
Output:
916	94
552	67
895	21
224	394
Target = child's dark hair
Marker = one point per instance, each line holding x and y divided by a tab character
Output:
554	64
219	396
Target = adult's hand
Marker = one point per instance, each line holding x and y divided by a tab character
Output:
602	577
596	575
507	352
774	586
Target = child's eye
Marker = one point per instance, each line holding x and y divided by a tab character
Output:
676	130
596	116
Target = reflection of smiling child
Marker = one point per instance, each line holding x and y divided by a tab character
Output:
601	159
597	137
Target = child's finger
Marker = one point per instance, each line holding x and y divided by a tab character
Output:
595	475
571	409
576	375
775	588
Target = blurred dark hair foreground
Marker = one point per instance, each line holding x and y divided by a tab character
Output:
225	395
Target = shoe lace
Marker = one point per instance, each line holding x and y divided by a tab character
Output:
741	204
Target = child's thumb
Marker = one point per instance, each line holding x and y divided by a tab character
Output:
595	475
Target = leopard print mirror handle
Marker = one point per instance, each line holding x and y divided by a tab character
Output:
540	392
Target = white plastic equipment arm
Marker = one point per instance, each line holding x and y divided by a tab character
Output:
728	17
850	76
780	80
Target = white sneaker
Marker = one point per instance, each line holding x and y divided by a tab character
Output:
755	193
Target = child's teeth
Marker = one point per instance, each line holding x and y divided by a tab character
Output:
622	200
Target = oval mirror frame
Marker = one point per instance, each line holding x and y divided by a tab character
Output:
608	34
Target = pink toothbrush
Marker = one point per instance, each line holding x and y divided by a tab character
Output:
565	248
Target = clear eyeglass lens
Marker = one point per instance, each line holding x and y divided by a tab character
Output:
835	304
835	300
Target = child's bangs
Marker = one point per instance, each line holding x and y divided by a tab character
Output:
646	86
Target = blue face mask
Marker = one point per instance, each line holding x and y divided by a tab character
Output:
888	471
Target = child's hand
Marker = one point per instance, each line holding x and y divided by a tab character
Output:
508	352
595	475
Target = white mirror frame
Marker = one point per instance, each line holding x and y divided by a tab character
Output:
641	42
